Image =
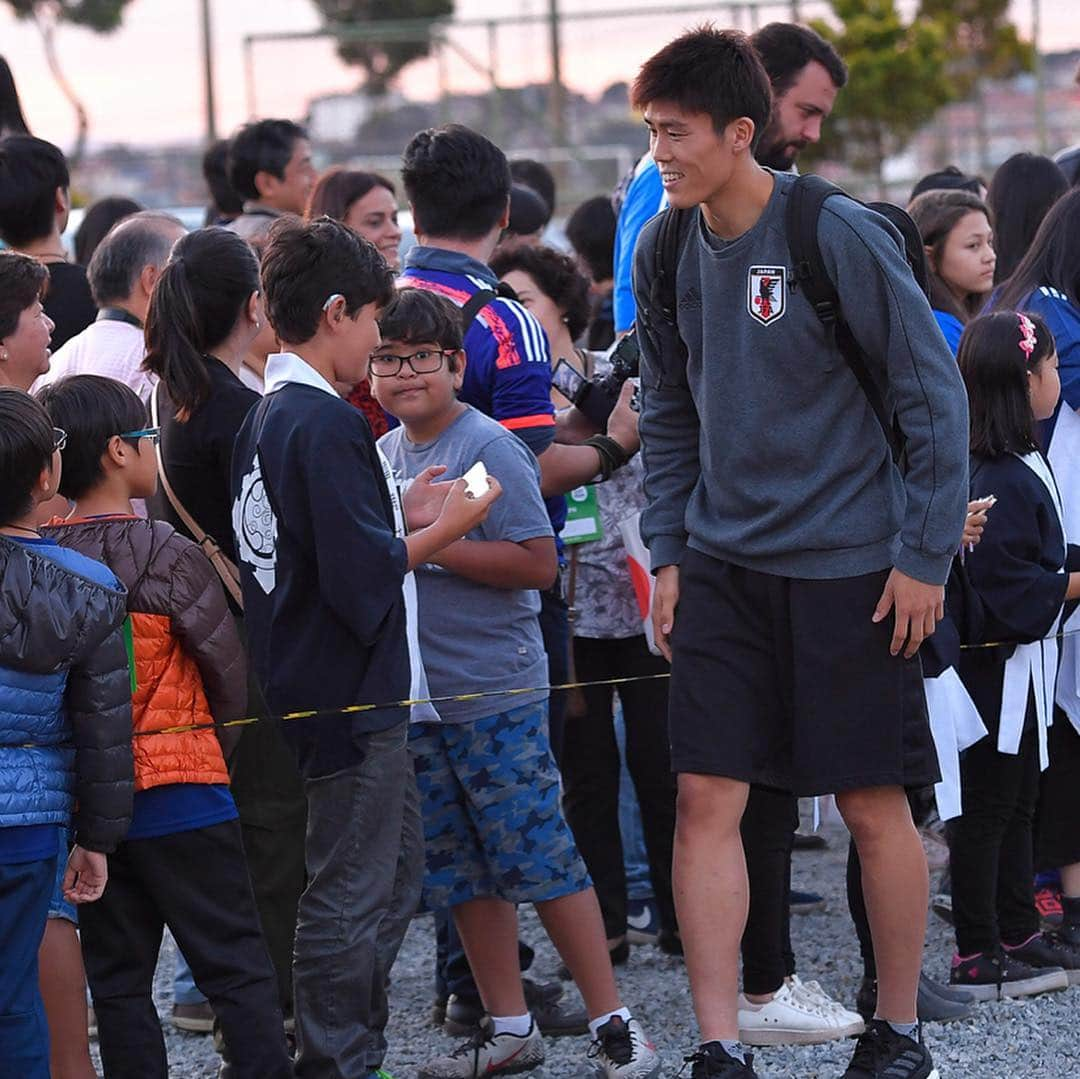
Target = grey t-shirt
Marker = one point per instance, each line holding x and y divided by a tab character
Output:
475	638
760	448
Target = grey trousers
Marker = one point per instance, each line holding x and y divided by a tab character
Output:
365	857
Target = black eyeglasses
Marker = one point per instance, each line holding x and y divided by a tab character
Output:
152	433
424	362
59	438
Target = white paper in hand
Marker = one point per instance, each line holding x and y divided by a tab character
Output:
475	479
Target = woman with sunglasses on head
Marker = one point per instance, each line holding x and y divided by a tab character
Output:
205	313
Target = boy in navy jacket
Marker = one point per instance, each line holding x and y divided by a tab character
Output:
325	572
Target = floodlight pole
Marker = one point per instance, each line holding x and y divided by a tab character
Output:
557	103
208	72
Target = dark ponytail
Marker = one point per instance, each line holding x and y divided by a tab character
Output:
194	306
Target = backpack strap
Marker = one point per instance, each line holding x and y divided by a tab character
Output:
476	303
674	228
807	196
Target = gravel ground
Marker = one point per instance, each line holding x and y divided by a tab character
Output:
1004	1041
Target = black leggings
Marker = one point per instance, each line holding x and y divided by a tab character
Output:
591	766
768	829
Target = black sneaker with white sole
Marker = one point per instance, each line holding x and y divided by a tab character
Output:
881	1053
712	1061
998	976
1048	951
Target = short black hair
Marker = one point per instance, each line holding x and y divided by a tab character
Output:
457	181
215	169
23	280
262	146
26	448
591	232
538	176
708	70
30	172
91	409
786	48
949	178
306	262
995	371
97	222
528	211
557	278
417	315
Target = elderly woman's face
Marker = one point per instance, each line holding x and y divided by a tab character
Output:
24	354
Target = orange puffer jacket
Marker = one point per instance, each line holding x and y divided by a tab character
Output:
189	663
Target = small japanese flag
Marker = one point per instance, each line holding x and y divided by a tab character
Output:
637	556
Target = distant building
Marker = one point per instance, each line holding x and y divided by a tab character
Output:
338	117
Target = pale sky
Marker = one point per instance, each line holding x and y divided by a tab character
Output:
143	84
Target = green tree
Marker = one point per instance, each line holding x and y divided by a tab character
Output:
983	44
898	78
103	16
382	56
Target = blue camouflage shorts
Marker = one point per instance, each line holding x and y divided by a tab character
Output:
59	907
493	820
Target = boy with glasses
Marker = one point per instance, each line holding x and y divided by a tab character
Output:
494	830
181	864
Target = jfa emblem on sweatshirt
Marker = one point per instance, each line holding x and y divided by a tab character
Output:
766	293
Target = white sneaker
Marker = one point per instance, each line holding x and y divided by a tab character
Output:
813	992
622	1051
790	1019
488	1053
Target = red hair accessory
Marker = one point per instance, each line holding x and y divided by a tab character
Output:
1028	340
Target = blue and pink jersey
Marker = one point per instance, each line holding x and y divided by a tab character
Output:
508	376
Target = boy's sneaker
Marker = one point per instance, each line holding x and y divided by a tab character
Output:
1048	904
621	1051
881	1053
642	921
488	1053
996	976
555	1016
1047	951
711	1061
791	1018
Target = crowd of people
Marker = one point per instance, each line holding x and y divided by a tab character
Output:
304	537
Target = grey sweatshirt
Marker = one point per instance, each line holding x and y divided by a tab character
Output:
761	449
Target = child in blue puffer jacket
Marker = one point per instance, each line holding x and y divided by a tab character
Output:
65	723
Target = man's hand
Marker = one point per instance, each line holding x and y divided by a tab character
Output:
919	607
423	500
622	424
86	876
665	600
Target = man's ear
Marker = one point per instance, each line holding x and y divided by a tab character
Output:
741	133
116	452
504	221
265	183
148	276
460	362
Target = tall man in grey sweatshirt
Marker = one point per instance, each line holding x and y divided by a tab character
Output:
798	570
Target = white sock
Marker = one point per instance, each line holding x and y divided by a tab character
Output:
519	1025
600	1020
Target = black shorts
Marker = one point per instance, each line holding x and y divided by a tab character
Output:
789	684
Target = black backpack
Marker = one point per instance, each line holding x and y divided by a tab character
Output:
805	200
